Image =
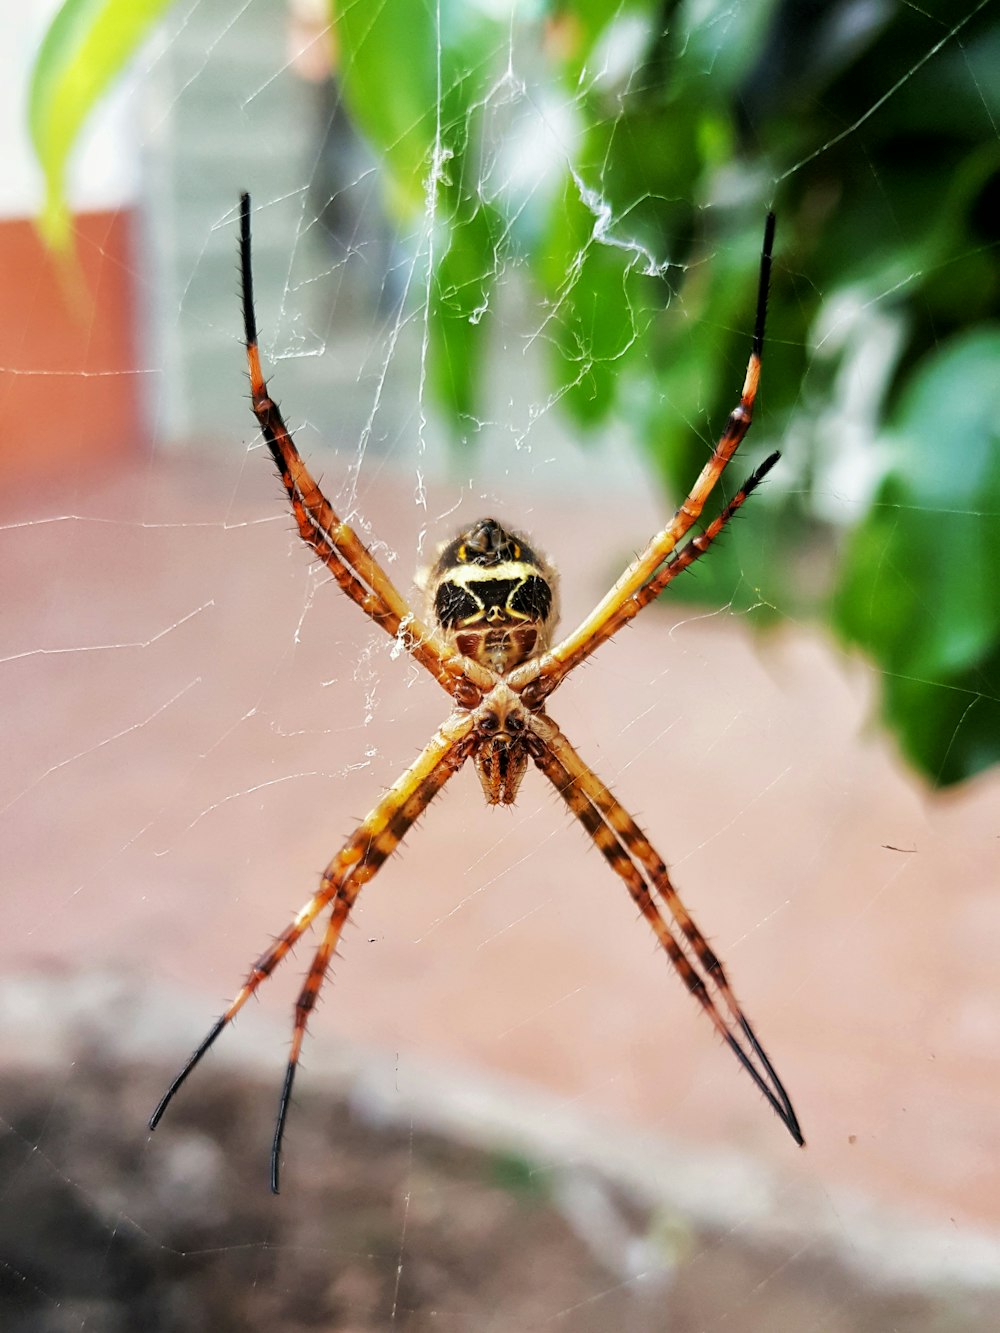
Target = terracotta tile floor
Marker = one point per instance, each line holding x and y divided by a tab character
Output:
193	719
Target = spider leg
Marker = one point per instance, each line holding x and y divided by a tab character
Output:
633	858
644	579
350	562
361	857
304	1006
669	570
690	551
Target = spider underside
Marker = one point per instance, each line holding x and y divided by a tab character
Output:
492	605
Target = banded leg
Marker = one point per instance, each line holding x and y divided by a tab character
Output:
361	857
676	564
635	588
350	562
634	860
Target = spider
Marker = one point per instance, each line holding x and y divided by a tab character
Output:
492	600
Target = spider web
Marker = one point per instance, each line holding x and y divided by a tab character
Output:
509	1114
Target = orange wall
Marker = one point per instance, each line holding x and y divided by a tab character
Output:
70	394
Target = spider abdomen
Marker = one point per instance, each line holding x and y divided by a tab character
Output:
493	596
502	649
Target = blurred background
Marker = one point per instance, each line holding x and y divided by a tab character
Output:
505	261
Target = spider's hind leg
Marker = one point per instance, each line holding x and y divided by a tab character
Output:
304	1006
361	858
635	861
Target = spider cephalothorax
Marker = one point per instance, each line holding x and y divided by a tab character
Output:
493	596
493	599
502	734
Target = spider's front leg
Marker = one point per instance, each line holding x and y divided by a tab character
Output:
358	861
336	543
661	561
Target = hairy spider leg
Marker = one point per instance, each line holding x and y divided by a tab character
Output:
618	606
361	857
675	564
586	796
379	850
336	543
697	546
641	850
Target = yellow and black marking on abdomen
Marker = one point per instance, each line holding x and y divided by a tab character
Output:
493	596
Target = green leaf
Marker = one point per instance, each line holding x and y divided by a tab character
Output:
948	728
597	268
599	320
389	72
461	293
411	72
919	586
87	45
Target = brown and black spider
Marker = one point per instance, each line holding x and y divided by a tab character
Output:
492	598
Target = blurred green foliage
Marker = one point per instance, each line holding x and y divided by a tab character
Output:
527	1181
871	129
872	132
919	586
86	46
